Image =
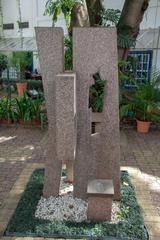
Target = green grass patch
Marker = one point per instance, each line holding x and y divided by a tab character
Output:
24	223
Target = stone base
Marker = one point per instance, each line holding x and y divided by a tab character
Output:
99	208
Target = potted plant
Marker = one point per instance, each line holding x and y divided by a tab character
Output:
36	111
3	63
143	103
23	110
21	85
7	115
21	61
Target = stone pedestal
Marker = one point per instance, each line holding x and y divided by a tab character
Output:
100	195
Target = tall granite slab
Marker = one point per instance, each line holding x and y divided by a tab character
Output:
95	50
51	55
66	116
66	120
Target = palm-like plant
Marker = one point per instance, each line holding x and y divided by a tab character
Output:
23	108
96	94
145	102
7	110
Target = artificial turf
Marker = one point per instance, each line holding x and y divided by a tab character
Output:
23	223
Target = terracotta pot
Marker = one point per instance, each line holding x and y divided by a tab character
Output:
35	122
142	126
5	121
21	88
22	122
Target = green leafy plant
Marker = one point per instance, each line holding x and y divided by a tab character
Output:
28	109
124	38
36	108
35	85
144	102
3	63
96	94
23	108
110	16
55	8
7	110
68	53
21	60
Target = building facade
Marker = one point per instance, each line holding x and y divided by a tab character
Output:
31	13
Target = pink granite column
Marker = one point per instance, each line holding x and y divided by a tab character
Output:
95	50
51	54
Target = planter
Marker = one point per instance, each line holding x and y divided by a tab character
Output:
35	122
142	126
21	88
6	121
22	122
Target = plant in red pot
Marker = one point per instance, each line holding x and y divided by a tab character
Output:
144	103
21	61
36	111
7	114
21	87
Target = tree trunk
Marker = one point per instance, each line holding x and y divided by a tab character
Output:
94	9
131	17
79	16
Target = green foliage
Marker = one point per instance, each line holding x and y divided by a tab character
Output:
21	60
124	73
54	8
124	38
131	225
110	16
28	108
7	111
125	41
22	108
144	102
96	94
68	53
35	85
3	62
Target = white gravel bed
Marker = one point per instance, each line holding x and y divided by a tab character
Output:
67	208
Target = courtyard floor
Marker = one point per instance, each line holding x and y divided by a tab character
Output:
140	155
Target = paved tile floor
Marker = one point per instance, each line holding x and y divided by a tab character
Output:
16	148
139	153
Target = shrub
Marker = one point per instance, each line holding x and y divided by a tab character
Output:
35	85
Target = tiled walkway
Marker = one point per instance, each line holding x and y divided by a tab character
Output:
16	148
140	154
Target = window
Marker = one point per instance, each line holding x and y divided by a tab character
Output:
8	26
142	65
23	25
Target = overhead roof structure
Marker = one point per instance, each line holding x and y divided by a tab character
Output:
147	39
18	44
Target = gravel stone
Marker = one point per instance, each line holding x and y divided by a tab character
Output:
67	208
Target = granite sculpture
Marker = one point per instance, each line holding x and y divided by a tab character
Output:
70	140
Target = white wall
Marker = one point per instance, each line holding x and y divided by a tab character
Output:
32	12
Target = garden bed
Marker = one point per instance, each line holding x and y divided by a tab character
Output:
24	223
